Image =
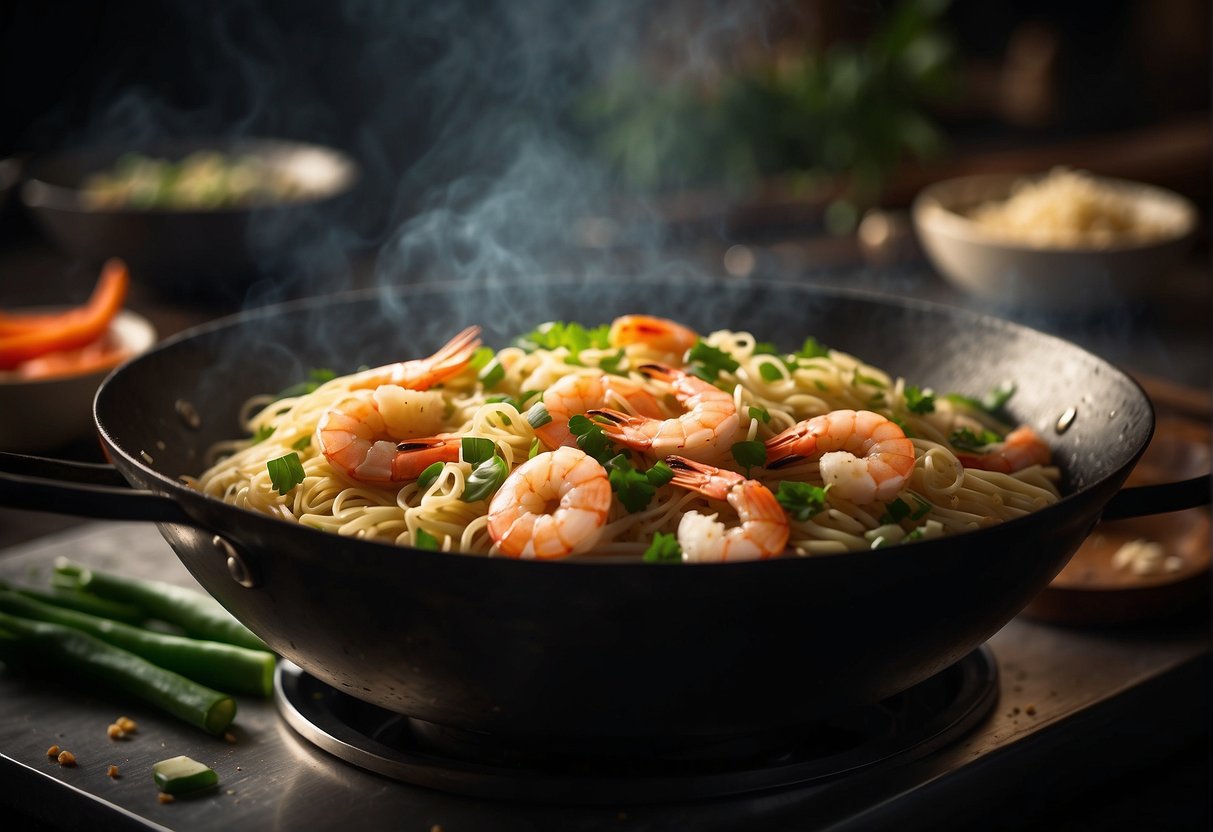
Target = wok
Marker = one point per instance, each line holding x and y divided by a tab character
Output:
583	652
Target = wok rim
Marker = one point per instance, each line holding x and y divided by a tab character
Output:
183	495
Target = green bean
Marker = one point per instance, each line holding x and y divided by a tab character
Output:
199	615
74	654
225	667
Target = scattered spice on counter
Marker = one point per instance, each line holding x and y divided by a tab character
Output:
53	751
230	738
114	732
127	724
1030	710
66	759
165	797
112	771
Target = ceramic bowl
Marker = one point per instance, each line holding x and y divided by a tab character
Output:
1052	278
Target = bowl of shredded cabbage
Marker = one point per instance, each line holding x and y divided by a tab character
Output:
1063	241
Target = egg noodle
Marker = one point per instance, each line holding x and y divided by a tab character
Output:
496	398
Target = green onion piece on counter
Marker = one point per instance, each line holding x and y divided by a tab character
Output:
75	654
224	667
285	472
181	775
199	615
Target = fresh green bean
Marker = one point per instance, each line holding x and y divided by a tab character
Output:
74	654
199	615
225	667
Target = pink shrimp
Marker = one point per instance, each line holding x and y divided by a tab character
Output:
551	506
709	424
863	456
762	532
573	395
658	334
1022	448
360	435
424	373
355	438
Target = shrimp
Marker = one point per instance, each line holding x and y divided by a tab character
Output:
1022	448
552	506
423	373
863	456
709	423
572	395
658	334
762	533
358	439
359	435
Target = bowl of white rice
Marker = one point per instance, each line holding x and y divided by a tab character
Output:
1062	241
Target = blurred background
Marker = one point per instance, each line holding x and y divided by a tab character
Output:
505	140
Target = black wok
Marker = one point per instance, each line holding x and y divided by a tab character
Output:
573	652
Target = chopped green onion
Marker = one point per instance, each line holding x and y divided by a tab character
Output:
424	540
315	378
477	449
611	363
895	512
429	475
759	413
769	371
660	473
663	549
481	358
285	472
534	451
302	443
538	415
708	362
492	375
485	479
992	402
178	775
871	381
263	433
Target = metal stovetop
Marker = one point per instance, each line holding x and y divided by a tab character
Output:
1076	708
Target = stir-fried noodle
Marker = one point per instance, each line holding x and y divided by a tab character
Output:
503	398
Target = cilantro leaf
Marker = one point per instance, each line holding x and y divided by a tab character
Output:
919	401
572	336
749	454
759	413
800	499
591	439
992	402
663	549
769	371
967	440
708	362
634	488
263	433
315	378
285	472
812	349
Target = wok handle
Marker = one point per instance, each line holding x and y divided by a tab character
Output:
1141	500
82	489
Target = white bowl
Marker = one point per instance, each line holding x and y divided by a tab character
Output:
38	415
1056	279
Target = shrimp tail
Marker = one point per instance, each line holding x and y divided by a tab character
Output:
793	445
454	355
622	427
707	480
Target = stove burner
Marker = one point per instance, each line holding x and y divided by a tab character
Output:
899	729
